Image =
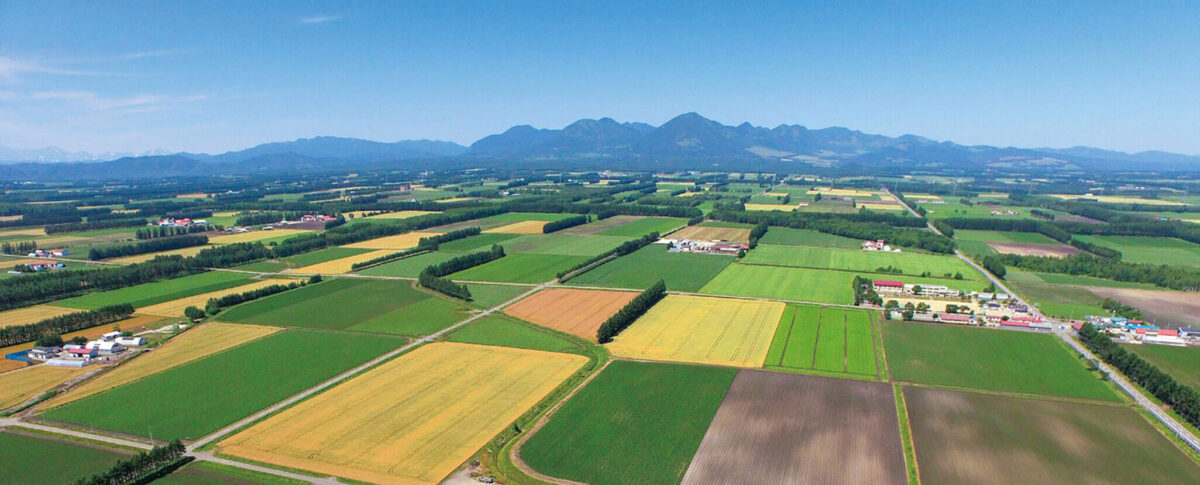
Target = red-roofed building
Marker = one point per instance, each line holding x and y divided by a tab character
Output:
886	287
955	318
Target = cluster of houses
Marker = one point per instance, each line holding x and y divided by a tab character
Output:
181	222
878	245
1139	332
49	253
707	247
44	265
1006	212
75	355
886	288
995	309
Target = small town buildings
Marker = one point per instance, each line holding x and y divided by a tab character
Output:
85	354
180	222
878	245
887	287
956	318
43	353
106	348
44	265
49	253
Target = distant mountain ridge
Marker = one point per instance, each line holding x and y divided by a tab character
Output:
688	141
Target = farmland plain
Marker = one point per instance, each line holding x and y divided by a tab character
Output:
658	413
641	227
26	458
987	359
158	291
1183	363
494	330
448	400
977	438
24	384
1146	249
847	433
858	260
36	313
521	268
783	283
174	308
705	330
786	236
680	271
197	398
578	312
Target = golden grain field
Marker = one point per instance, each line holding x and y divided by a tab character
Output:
397	242
204	340
174	308
342	265
193	195
138	258
704	330
523	227
842	192
399	214
455	199
770	207
22	316
20	385
711	233
414	419
35	231
254	236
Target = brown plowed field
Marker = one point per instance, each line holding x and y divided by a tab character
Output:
973	438
578	312
1031	249
788	428
706	233
600	225
1166	308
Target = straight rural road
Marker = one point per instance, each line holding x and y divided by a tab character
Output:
1116	377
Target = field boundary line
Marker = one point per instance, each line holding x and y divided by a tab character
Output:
907	440
6	422
514	453
817	342
845	343
1018	395
788	338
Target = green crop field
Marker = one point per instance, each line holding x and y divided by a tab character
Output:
206	472
378	306
197	398
486	296
328	254
494	330
29	459
1058	295
859	261
994	360
411	266
953	208
680	271
563	244
521	268
478	242
1003	236
159	291
823	339
642	227
966	437
1182	363
635	423
786	236
801	284
1145	249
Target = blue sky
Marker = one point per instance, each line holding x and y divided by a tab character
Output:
211	76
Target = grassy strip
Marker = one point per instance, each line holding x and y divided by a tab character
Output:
67	437
910	450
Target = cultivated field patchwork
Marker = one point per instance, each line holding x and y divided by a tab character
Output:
342	265
397	242
36	313
705	330
174	308
411	420
578	312
522	227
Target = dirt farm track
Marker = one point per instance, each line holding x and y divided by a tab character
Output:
790	428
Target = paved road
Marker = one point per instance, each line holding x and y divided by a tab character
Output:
6	422
1116	377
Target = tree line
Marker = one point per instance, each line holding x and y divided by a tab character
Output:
45	286
91	226
143	467
1183	400
561	224
387	258
147	246
1044	228
1166	276
154	232
257	218
61	324
432	242
23	247
625	248
898	231
630	312
214	305
432	276
758	232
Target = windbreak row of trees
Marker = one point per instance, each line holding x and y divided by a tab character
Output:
42	219
154	232
214	305
432	277
91	226
54	285
625	248
1183	400
561	224
757	233
147	246
630	312
71	322
256	218
432	242
387	258
898	231
1166	276
1044	228
361	232
143	467
23	247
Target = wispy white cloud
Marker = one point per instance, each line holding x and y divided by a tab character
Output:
320	19
137	103
10	68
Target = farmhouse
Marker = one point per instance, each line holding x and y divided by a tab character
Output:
106	348
44	265
878	245
707	247
43	353
49	253
180	222
85	354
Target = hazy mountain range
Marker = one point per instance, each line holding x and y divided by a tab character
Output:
686	141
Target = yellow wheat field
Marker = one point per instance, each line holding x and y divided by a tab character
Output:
174	308
523	227
36	231
879	206
20	385
342	265
842	192
775	194
397	242
1116	199
412	420
922	196
204	340
712	233
770	207
455	199
704	330
254	236
138	258
193	195
35	313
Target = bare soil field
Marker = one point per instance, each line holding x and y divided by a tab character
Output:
788	428
706	233
592	228
973	438
1165	308
1029	249
578	312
